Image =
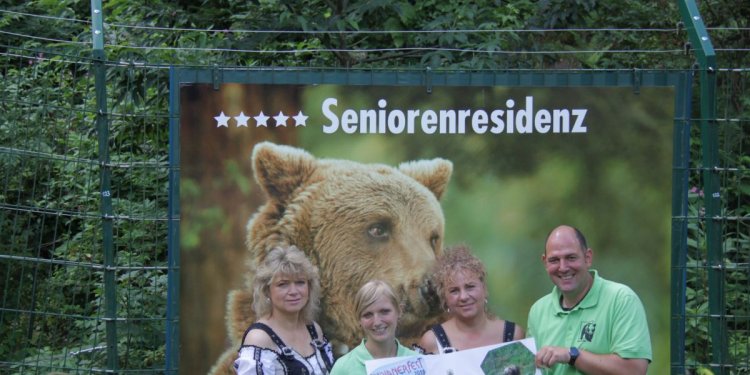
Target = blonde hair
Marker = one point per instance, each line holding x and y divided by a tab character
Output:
289	261
456	259
370	292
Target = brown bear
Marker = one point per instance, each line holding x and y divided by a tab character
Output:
356	222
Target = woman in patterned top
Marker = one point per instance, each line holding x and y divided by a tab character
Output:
461	283
285	340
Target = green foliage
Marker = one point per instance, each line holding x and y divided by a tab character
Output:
49	157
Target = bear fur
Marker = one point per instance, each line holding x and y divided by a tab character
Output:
355	222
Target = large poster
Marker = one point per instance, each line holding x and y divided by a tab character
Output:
521	161
515	357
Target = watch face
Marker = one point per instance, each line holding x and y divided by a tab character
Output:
573	355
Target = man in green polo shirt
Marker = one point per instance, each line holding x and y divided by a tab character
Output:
586	325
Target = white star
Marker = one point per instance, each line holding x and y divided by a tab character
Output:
280	119
261	120
241	119
300	119
222	120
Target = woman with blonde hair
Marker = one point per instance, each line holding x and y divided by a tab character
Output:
286	339
461	282
378	310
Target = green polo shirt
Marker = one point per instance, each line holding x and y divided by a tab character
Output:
610	319
353	363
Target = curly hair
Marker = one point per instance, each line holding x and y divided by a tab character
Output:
456	259
289	261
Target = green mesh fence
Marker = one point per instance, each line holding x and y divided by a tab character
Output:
52	262
717	317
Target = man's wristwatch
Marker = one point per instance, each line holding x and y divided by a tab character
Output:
574	353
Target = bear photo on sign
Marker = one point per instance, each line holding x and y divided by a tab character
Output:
355	222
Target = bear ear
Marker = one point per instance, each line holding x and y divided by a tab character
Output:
434	174
280	169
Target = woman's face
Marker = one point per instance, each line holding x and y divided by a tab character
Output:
465	294
379	321
289	293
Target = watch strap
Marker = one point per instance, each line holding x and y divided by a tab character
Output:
574	353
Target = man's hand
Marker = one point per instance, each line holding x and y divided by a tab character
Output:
590	363
548	356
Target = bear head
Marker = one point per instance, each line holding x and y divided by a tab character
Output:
356	222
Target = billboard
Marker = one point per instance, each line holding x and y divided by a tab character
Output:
515	357
523	160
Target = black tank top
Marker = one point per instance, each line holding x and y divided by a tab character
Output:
508	330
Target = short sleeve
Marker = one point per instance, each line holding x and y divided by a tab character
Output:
631	338
342	366
255	361
531	322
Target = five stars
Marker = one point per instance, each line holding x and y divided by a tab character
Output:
260	120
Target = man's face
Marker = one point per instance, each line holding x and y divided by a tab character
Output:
567	263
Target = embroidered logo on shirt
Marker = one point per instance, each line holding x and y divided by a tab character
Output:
587	332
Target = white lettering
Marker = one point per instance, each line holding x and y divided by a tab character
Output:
523	120
429	120
349	121
510	103
396	121
497	118
334	125
579	127
525	114
560	121
447	121
479	121
369	122
542	121
412	116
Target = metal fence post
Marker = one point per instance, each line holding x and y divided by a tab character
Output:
173	234
105	173
701	43
681	166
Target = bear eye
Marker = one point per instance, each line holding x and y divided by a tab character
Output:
434	241
378	230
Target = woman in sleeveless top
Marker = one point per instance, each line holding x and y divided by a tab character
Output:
378	310
285	340
460	280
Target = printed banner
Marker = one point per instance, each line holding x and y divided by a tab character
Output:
373	181
511	358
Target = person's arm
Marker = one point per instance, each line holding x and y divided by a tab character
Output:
252	359
428	343
259	338
519	333
590	363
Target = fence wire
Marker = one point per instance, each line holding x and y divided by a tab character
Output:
52	267
51	263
